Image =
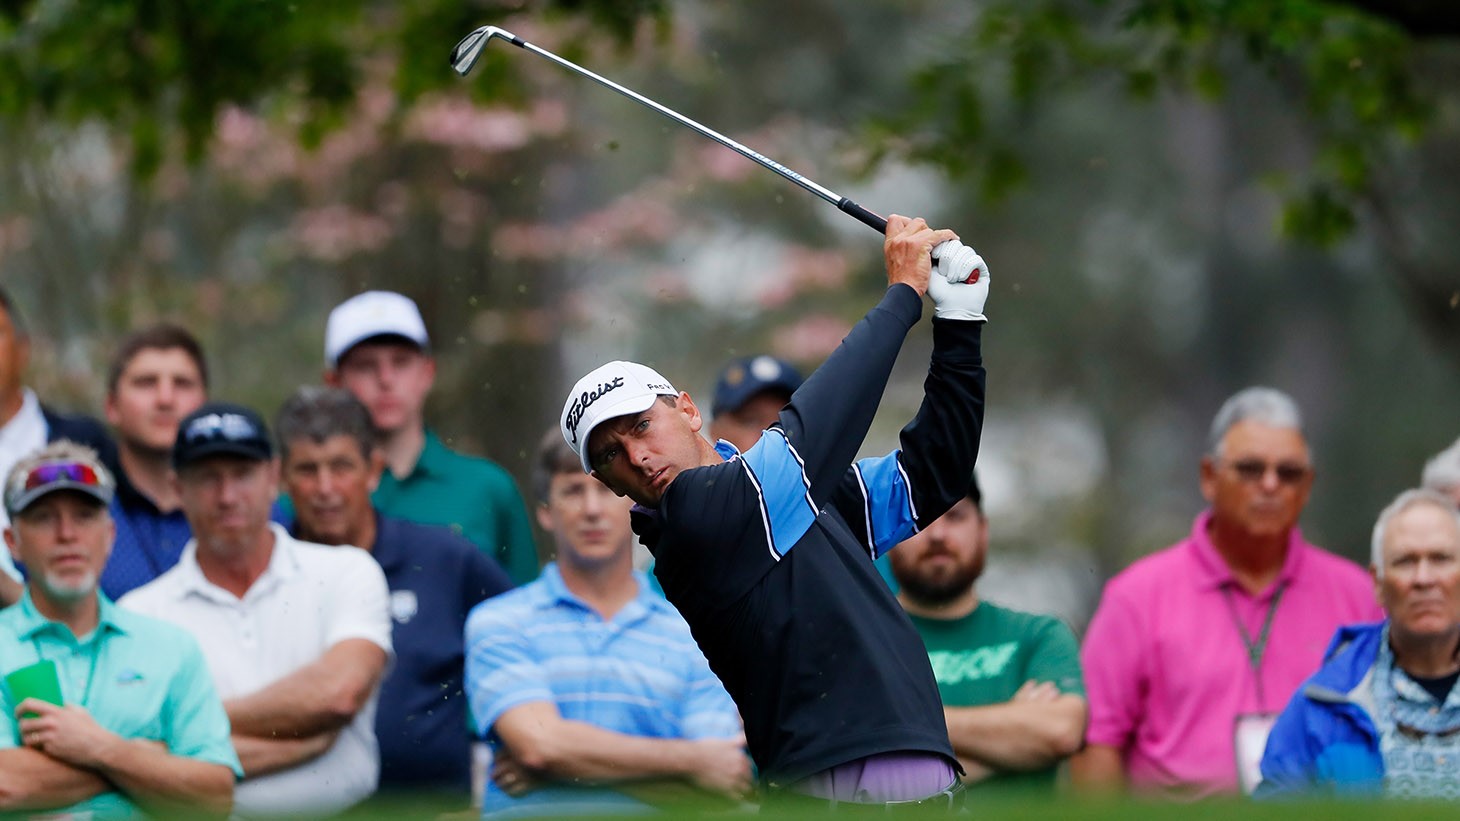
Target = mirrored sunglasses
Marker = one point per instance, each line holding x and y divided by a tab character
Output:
51	472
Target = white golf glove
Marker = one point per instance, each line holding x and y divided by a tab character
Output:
954	297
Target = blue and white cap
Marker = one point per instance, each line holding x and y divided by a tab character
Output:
616	389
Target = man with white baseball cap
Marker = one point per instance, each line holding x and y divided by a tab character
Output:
377	348
768	552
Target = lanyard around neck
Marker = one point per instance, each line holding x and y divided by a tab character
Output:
90	674
1258	645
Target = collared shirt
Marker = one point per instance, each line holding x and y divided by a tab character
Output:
1167	669
639	673
148	543
24	433
473	496
436	577
138	677
310	598
769	555
1419	736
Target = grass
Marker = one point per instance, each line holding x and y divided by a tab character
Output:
382	808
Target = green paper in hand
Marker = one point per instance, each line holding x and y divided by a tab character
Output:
38	681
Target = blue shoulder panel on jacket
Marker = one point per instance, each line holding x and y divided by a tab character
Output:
779	477
890	513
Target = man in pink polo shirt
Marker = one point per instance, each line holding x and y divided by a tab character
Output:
1195	649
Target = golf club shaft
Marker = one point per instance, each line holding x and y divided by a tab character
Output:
869	218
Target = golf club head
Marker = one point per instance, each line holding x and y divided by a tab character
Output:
466	53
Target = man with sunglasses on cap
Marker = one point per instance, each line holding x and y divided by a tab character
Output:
296	634
768	553
1194	649
137	725
27	424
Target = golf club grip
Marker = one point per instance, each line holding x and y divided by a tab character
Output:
872	219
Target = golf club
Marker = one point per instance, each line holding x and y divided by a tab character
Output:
466	53
957	266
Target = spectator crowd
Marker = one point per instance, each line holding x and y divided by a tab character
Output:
204	609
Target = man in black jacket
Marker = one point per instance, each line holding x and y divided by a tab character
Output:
768	553
26	425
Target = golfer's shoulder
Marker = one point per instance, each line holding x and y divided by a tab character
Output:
701	498
707	481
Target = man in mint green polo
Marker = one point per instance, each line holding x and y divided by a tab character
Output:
138	727
377	348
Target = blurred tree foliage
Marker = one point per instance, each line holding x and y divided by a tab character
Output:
1126	167
1358	75
242	165
159	69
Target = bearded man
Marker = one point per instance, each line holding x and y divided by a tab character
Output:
1011	685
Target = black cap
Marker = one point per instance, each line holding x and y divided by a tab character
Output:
974	492
743	378
221	429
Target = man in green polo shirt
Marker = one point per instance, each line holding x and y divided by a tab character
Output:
377	348
141	728
1010	681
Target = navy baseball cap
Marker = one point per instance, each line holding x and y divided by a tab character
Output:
743	378
218	429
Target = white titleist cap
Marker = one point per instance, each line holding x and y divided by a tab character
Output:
372	314
616	389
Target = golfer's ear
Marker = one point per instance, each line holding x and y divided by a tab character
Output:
686	405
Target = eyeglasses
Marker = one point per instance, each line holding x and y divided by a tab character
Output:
51	472
1253	470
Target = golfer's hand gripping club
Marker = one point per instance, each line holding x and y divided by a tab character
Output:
959	284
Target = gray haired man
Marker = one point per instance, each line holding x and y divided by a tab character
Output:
1442	473
1194	649
1382	716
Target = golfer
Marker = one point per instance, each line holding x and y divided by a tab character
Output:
768	553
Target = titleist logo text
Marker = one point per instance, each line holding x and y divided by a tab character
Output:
580	405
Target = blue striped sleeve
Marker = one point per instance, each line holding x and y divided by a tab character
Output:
708	710
888	510
502	671
779	476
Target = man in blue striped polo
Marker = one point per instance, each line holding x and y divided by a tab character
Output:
585	677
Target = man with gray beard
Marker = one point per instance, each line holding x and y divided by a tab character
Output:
103	713
1011	685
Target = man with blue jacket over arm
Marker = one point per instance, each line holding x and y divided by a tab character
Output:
768	553
1382	716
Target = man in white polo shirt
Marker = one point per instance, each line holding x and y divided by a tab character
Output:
296	635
